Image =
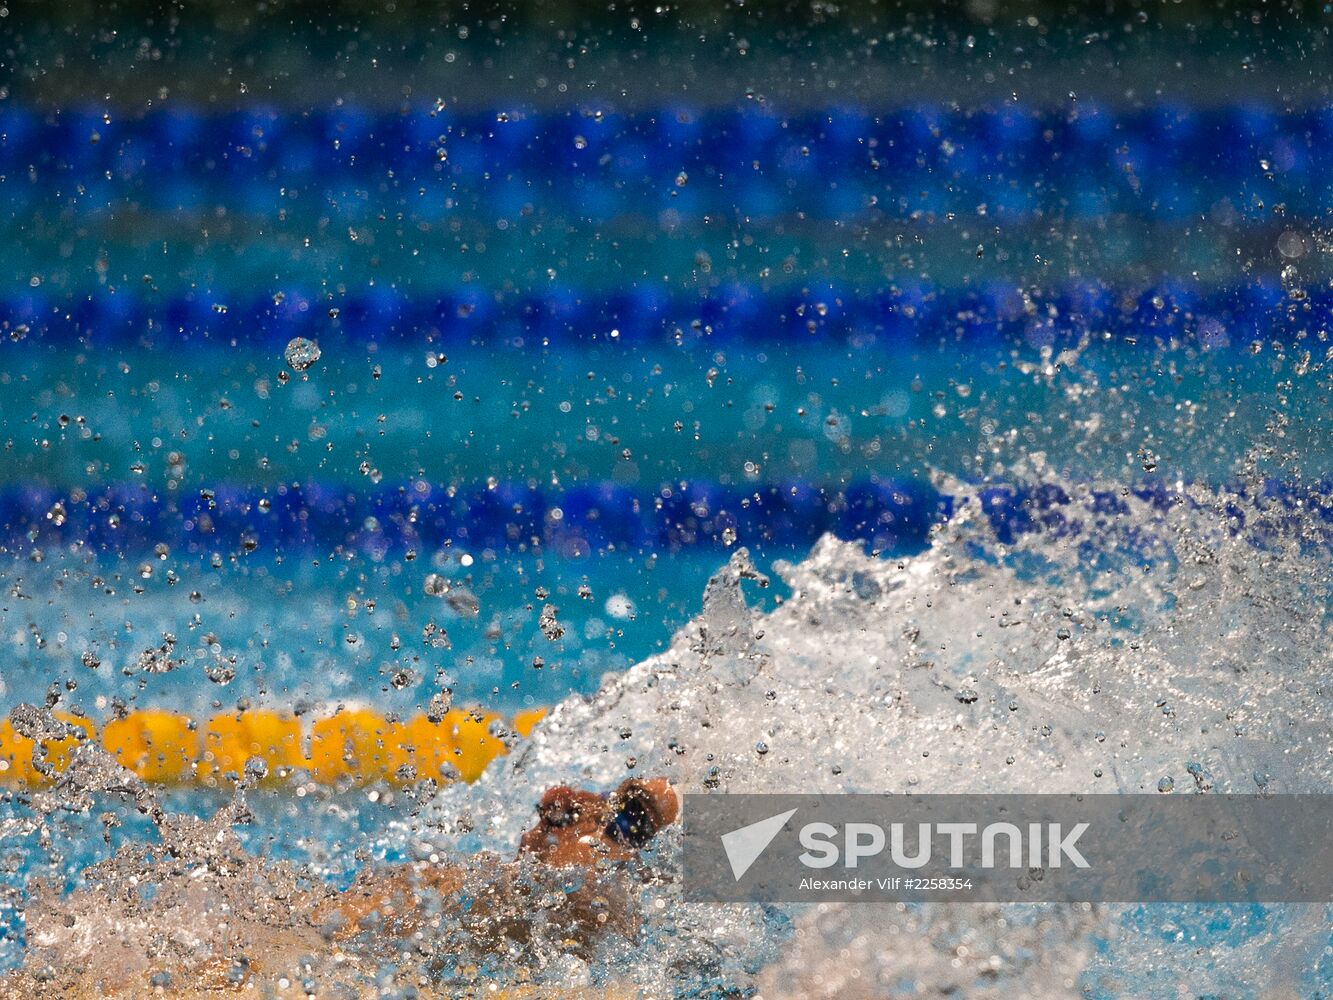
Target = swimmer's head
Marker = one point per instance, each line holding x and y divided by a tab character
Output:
580	828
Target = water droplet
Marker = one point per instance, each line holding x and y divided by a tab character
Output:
256	769
301	353
551	628
464	602
1291	244
621	607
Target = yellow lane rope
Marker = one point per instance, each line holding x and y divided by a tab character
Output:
354	745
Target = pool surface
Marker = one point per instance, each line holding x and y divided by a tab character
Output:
381	390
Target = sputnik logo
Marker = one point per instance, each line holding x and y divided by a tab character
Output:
744	846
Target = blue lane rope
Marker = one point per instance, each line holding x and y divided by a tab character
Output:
862	318
887	515
1084	161
122	519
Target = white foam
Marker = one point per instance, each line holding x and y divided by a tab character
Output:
1103	655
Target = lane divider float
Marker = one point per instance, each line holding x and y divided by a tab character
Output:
353	746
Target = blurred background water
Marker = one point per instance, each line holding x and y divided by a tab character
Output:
602	293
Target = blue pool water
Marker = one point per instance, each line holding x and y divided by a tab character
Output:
579	345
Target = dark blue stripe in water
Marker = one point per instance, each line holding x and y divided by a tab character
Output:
1082	161
886	515
1217	318
573	522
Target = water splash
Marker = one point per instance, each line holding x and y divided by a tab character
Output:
1054	637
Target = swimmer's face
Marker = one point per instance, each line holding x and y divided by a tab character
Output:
580	828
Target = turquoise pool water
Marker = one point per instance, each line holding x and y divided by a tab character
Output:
426	356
